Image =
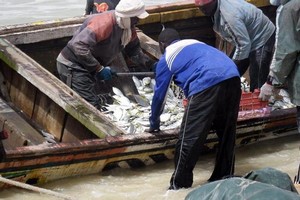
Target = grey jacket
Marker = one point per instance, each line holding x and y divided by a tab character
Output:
287	54
243	25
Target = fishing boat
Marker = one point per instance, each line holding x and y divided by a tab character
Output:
49	132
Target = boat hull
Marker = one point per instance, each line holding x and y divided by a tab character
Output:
86	141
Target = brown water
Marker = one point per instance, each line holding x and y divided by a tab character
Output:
32	11
151	182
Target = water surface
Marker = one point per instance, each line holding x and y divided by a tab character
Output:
151	182
28	11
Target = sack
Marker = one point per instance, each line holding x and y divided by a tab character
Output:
272	176
239	188
267	183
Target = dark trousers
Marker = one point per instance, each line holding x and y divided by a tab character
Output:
82	82
217	108
259	62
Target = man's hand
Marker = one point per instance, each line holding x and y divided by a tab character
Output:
105	74
266	91
152	130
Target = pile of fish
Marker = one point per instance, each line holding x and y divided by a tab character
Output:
134	118
281	100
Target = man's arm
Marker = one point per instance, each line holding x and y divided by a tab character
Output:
238	33
163	79
96	31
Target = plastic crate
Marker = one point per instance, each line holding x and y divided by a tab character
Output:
250	101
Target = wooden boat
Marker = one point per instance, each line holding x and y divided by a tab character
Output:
36	107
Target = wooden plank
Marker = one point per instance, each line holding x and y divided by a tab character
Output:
41	34
6	82
74	131
180	14
20	133
48	115
58	28
3	85
22	94
57	91
149	45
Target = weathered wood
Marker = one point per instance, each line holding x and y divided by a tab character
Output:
48	115
57	91
40	34
47	30
20	133
77	125
149	45
74	131
22	94
35	189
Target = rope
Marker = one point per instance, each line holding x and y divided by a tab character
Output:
34	188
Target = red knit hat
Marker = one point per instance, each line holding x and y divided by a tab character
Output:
202	2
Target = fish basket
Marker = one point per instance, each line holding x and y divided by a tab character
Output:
250	101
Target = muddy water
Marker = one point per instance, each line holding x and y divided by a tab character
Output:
32	11
151	182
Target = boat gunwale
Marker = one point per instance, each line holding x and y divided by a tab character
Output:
127	140
52	87
152	10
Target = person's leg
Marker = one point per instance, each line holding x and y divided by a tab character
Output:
63	72
81	82
260	61
225	126
195	126
84	84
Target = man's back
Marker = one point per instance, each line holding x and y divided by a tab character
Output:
243	24
196	66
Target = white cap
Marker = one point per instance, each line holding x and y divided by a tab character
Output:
131	8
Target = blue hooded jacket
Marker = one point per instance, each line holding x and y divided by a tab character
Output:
194	66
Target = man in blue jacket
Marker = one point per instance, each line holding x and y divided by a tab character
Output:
211	82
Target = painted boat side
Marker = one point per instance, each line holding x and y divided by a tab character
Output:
37	95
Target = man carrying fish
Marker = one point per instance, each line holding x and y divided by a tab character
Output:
249	30
95	45
211	82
